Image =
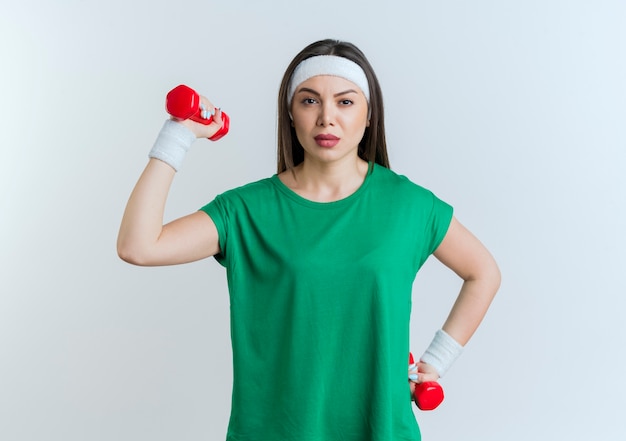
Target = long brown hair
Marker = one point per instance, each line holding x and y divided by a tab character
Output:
373	146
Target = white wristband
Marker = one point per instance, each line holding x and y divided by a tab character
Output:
442	352
172	144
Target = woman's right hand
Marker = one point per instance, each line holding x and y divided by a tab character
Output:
204	130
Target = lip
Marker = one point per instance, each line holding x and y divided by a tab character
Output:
326	140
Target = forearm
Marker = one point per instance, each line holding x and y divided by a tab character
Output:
466	314
471	306
142	222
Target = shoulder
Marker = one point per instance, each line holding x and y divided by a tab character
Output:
389	181
250	190
255	193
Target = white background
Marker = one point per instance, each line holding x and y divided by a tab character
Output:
513	112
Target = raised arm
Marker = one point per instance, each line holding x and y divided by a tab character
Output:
143	239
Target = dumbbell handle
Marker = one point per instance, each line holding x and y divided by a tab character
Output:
427	395
183	102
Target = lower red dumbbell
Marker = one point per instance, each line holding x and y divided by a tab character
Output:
427	395
183	102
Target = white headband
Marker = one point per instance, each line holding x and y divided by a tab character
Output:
328	65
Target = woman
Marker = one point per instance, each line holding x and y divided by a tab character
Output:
320	261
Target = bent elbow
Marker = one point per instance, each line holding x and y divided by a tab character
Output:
495	277
488	275
498	278
127	256
130	254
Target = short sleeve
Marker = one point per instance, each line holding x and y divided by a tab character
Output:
217	211
438	223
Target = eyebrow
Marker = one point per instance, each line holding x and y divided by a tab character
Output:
315	92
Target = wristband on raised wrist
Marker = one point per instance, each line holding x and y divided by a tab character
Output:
442	352
172	144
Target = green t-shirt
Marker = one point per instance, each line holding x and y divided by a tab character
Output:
320	301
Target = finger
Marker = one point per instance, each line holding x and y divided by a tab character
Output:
413	372
426	372
207	109
217	116
418	378
206	112
428	377
425	367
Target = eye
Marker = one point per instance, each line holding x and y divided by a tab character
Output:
309	101
346	102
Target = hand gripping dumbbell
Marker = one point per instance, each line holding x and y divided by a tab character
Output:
427	395
183	102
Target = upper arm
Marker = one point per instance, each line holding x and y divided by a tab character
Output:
192	237
187	239
463	253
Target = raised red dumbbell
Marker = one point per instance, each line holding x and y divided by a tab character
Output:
427	395
183	102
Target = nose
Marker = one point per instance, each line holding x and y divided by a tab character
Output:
326	115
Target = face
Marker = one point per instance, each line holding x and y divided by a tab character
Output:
330	117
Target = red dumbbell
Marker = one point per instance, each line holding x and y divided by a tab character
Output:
427	395
183	102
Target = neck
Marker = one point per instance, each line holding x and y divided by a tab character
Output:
327	182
